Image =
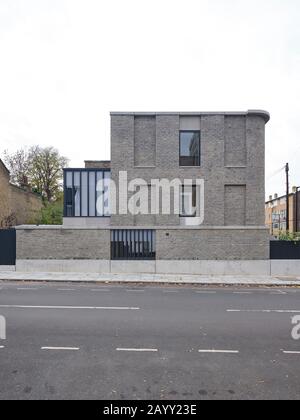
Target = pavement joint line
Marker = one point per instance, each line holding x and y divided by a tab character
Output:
70	307
242	293
100	290
219	351
61	348
206	293
281	311
136	350
135	291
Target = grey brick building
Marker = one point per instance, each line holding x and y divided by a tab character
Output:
222	153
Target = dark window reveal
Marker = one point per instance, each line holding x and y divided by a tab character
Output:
189	148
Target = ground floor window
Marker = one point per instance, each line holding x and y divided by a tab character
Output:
133	244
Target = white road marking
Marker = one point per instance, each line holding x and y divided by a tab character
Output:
27	288
137	350
291	352
1	347
66	290
61	348
170	291
219	351
279	311
70	307
278	293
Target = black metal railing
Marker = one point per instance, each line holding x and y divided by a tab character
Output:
132	244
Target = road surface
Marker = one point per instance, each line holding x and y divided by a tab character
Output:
87	341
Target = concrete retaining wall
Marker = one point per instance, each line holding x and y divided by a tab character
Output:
214	268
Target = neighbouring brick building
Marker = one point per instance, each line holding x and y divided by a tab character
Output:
276	213
224	150
20	204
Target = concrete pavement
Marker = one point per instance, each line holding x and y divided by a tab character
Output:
152	278
90	341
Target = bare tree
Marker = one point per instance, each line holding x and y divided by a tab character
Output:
40	168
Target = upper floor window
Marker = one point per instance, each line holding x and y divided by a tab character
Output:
189	148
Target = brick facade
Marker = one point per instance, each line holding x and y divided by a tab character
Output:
59	244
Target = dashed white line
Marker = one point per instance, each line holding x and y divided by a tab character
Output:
279	311
1	347
66	290
291	352
219	351
61	348
137	350
71	307
27	288
170	291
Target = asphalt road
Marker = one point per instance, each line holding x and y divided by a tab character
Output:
74	341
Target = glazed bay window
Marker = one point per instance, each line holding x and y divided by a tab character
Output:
188	201
86	193
189	148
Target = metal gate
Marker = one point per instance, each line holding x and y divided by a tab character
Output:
7	246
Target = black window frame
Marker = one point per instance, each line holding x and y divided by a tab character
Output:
88	171
132	245
182	157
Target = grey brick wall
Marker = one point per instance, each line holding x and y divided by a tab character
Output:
235	141
232	153
212	244
60	244
145	141
235	205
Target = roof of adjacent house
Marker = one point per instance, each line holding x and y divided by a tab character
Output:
4	167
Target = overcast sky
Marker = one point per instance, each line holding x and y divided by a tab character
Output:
65	64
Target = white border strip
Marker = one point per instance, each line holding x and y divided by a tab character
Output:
137	350
117	308
61	348
219	351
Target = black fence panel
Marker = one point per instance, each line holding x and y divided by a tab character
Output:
133	244
7	246
284	250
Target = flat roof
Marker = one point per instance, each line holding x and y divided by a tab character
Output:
254	112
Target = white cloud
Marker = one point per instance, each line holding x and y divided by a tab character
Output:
66	63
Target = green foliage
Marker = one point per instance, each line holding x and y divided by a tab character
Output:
51	213
289	236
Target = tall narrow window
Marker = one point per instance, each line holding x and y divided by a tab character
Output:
69	194
77	193
189	148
